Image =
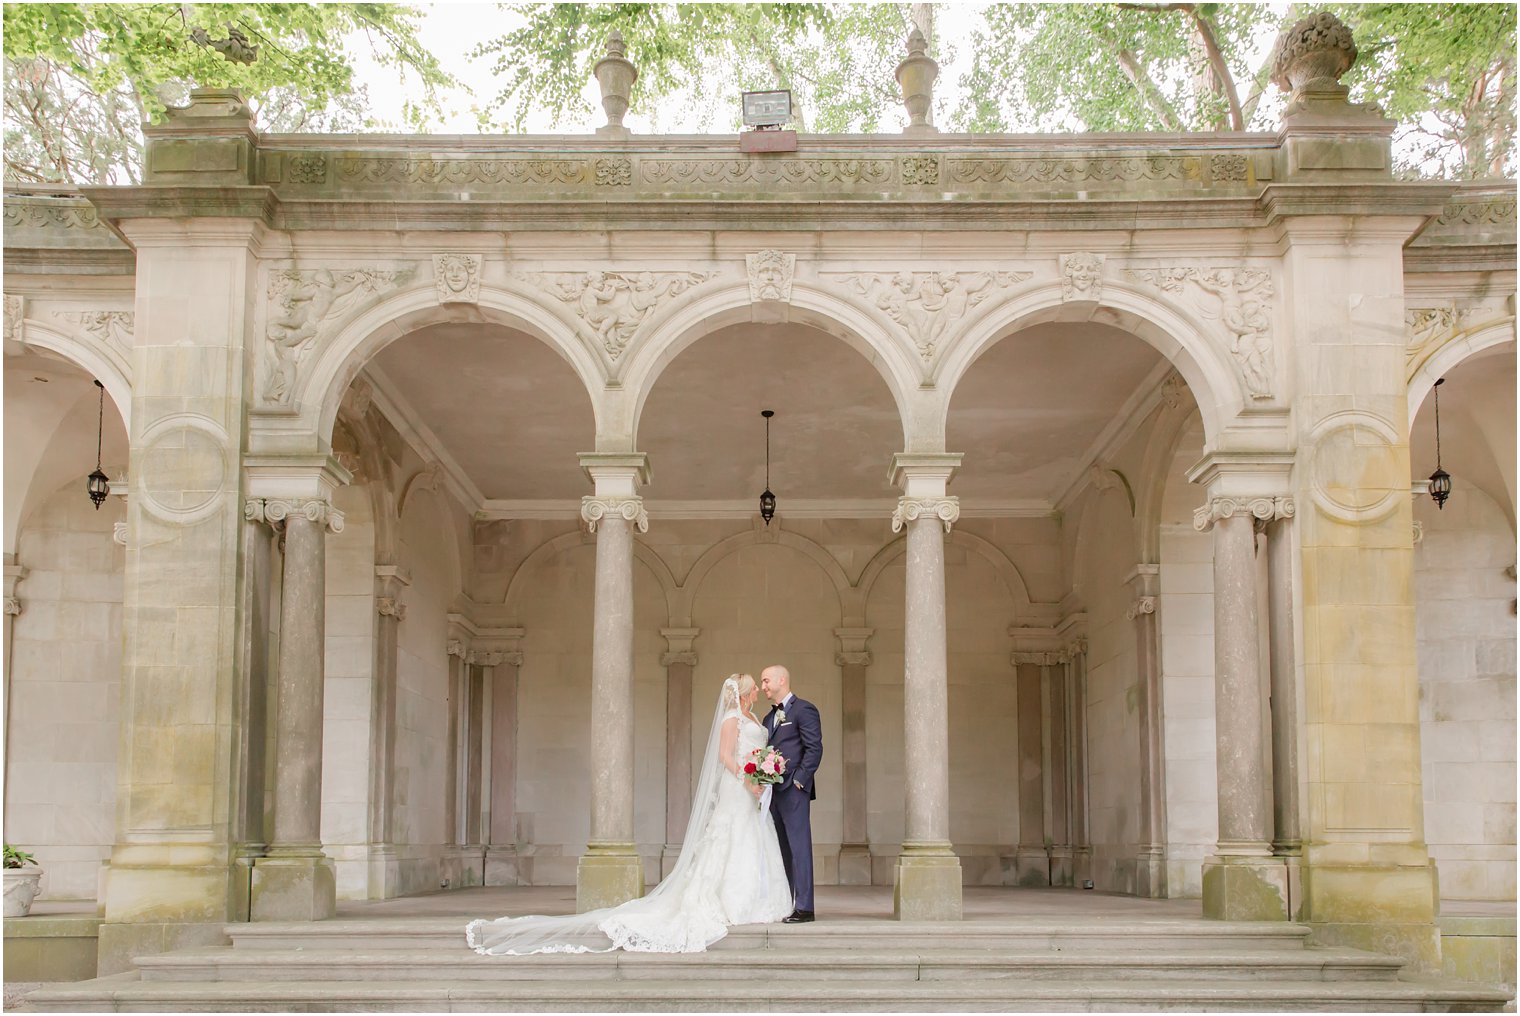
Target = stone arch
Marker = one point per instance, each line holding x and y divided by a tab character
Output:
1173	331
642	552
1491	336
1160	450
106	364
687	591
706	310
340	359
1006	569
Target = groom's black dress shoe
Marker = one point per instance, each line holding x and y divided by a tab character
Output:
798	917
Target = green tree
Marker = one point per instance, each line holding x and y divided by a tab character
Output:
81	79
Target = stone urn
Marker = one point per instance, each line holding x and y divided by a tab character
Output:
616	75
1313	54
916	76
21	887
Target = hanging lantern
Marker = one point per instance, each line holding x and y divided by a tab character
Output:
99	484
767	499
1440	480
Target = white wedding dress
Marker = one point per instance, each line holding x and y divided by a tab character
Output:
729	873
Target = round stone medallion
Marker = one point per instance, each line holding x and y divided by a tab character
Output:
182	468
1356	474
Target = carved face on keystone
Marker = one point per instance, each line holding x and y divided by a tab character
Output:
1082	271
770	276
456	273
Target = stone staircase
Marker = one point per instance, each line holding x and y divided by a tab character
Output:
422	964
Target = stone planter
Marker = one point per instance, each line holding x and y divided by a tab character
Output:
21	885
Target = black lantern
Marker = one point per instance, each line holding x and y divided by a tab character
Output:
99	484
767	499
1440	480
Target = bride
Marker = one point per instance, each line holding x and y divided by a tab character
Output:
729	871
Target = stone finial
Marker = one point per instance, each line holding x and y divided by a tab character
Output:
916	76
211	104
1313	54
616	75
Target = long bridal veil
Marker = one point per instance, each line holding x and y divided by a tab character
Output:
520	936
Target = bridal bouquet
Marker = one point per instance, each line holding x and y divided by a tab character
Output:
764	766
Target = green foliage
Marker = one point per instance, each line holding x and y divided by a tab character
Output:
837	59
81	78
17	858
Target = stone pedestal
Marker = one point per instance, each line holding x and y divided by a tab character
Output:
1239	888
608	874
927	884
854	864
293	889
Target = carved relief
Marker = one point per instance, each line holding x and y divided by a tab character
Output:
919	169
1074	170
19	213
1173	390
306	168
909	509
612	305
1260	509
1082	276
1144	605
1228	168
119	533
489	171
457	277
111	326
1430	328
770	275
614	173
772	171
274	511
630	509
1242	296
391	606
302	302
927	304
1492	212
14	311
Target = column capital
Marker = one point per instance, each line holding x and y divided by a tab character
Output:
1142	605
631	508
909	509
390	606
456	647
12	606
1077	647
1036	659
924	474
274	511
679	640
1262	509
853	640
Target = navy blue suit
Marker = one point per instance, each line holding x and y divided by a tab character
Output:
800	742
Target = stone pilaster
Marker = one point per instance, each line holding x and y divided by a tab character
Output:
1032	859
501	852
250	831
14	573
1241	881
458	650
295	880
1287	840
390	608
1058	769
1150	865
1076	657
928	883
610	871
853	658
679	660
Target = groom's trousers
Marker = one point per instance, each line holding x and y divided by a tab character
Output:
794	829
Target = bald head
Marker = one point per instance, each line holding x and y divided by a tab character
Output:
776	683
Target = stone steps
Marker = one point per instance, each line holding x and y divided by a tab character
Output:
839	996
820	965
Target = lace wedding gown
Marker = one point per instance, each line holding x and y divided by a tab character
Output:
729	872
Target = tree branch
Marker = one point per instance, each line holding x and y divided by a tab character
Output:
1217	61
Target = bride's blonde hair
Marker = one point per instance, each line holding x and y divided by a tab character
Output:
735	688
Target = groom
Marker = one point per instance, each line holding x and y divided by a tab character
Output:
798	735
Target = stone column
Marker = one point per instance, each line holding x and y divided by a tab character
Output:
1057	792
928	885
852	659
14	573
1032	859
458	650
480	663
610	871
1241	881
1076	655
1287	841
384	867
253	639
679	660
295	881
1150	865
501	853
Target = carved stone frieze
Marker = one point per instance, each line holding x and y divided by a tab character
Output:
1488	212
1082	276
920	169
1229	168
1430	328
276	510
369	169
612	305
767	171
306	168
50	216
630	509
111	326
614	172
457	277
1074	170
770	275
302	302
928	304
910	509
1261	509
1241	304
